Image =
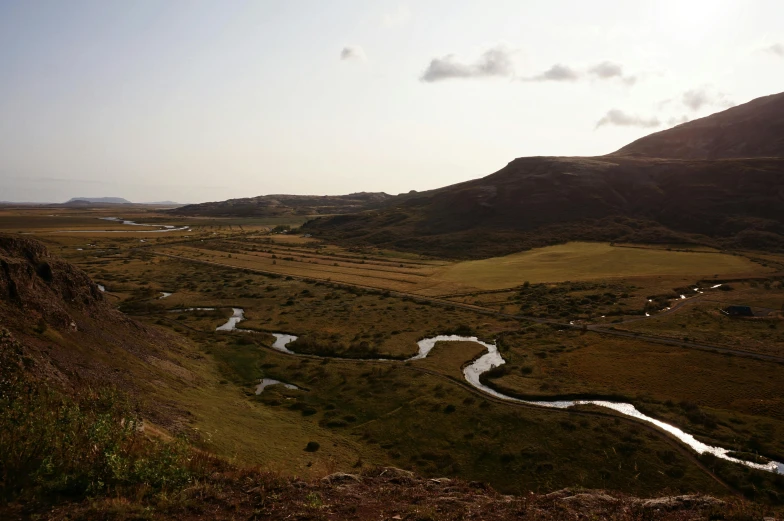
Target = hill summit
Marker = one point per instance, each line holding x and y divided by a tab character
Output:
284	204
754	129
98	200
717	181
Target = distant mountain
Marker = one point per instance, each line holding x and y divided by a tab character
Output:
754	129
282	205
164	203
701	188
99	200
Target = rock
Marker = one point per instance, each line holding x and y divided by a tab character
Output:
341	477
588	502
559	494
394	471
441	481
679	502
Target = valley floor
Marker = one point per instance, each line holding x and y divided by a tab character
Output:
559	334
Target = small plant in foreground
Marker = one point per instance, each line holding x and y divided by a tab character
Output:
80	444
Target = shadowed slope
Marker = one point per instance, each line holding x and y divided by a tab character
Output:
539	201
282	205
754	129
717	181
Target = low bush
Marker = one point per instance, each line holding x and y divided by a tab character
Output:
83	443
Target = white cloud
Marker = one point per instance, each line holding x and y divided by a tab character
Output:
495	62
777	49
398	17
678	120
695	99
604	71
608	70
622	119
353	53
557	72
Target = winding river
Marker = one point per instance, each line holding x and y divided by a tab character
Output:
269	382
237	316
162	228
492	359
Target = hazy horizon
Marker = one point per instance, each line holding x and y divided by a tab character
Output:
155	101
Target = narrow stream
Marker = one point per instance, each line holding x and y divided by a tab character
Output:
268	382
238	315
281	341
493	358
162	228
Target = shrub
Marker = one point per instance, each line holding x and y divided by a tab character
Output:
80	444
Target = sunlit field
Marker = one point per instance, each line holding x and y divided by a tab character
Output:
591	261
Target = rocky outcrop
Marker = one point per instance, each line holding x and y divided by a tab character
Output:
390	493
38	284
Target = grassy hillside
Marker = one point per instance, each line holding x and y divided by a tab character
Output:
540	201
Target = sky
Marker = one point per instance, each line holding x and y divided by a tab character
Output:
197	101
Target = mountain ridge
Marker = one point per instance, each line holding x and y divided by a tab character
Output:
674	186
753	129
100	200
274	205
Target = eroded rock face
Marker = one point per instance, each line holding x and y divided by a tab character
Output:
37	283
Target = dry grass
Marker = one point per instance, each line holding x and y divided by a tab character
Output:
591	261
743	396
365	413
406	278
701	318
574	261
389	493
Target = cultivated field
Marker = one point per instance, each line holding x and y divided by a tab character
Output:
439	278
590	261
